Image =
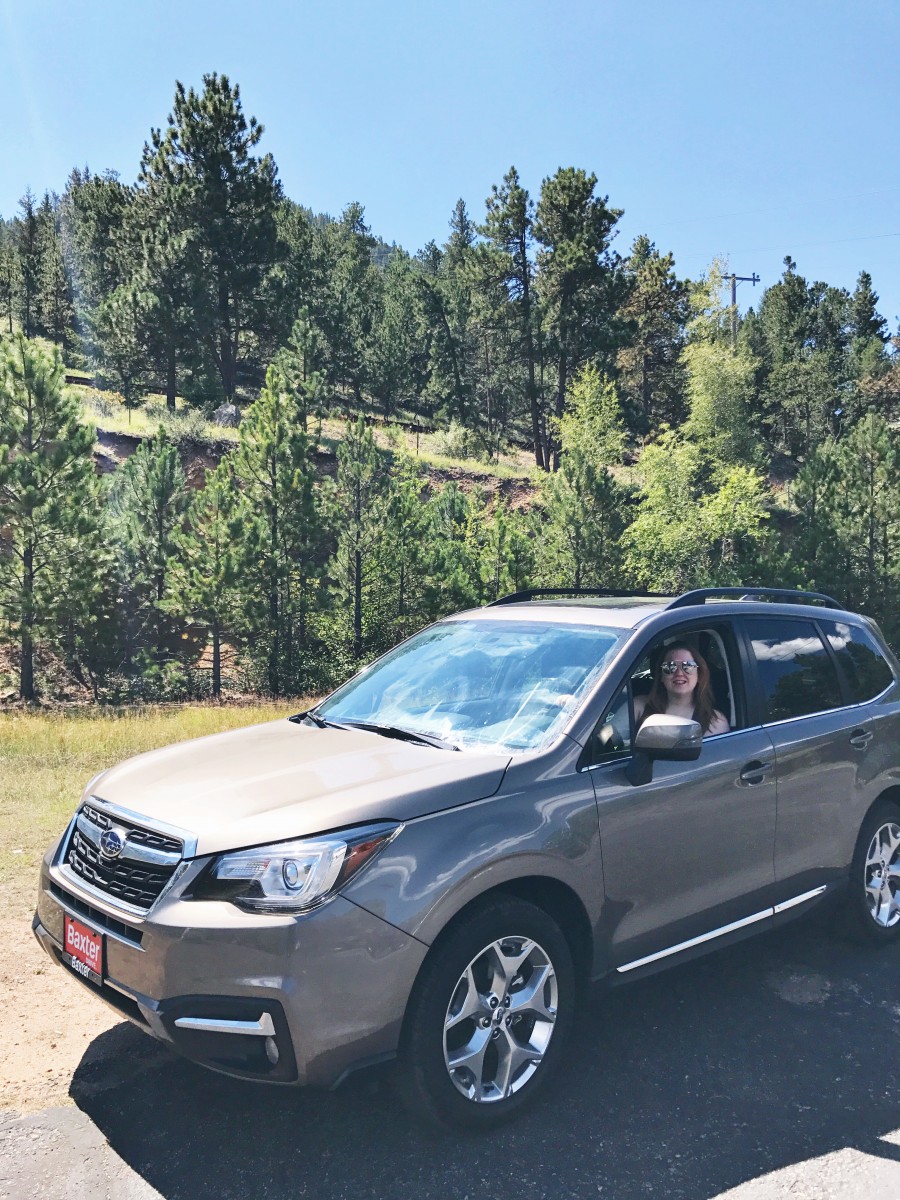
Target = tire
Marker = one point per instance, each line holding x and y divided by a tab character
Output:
489	1017
873	906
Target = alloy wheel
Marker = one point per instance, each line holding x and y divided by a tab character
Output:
500	1019
882	876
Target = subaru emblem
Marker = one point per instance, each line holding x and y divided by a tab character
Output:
112	842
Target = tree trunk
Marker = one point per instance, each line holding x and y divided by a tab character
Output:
357	604
217	662
540	458
26	643
227	349
171	375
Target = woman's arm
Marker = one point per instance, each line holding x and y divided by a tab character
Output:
718	724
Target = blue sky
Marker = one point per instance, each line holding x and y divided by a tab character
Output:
748	130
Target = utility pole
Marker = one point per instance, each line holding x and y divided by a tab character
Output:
735	280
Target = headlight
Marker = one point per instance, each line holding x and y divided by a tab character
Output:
292	877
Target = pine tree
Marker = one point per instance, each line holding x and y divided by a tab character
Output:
579	279
593	423
509	230
54	301
92	213
393	367
446	316
204	569
28	253
399	577
283	528
299	364
8	272
347	302
582	524
361	494
655	312
508	553
149	498
850	507
225	198
48	502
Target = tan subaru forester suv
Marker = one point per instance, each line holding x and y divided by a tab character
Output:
431	863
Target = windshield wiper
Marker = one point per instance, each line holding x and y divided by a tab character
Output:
320	722
402	735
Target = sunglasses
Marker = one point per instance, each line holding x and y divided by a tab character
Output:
688	666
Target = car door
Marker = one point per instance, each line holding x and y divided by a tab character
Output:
822	739
687	857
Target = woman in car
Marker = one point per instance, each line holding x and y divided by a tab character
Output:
681	688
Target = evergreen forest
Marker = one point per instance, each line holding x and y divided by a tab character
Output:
612	424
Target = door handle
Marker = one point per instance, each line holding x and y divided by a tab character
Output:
754	772
860	738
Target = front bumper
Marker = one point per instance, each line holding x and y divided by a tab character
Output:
282	998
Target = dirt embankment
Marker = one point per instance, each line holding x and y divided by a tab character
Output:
113	449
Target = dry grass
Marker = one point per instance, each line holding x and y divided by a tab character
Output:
46	759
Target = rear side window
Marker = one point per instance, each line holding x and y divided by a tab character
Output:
861	659
796	672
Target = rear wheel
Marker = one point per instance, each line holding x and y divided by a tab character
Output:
489	1017
874	902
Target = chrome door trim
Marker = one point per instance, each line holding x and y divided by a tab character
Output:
704	937
720	932
786	904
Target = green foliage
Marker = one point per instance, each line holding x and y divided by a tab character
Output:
149	500
507	553
526	329
848	534
583	522
205	565
361	497
719	380
48	503
696	528
299	364
281	519
579	280
655	314
592	424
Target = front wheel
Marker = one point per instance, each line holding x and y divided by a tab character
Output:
489	1017
874	901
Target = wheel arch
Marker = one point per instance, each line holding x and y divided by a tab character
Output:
890	795
559	901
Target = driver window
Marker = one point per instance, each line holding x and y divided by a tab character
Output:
706	667
613	734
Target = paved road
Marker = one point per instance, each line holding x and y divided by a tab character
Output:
764	1072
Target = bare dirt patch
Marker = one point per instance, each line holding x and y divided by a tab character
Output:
47	1021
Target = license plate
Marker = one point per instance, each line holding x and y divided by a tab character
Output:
83	950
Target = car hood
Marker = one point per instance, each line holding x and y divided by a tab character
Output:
282	780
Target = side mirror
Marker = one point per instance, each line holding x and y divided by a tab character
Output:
666	737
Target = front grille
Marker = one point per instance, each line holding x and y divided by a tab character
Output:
138	875
96	915
136	835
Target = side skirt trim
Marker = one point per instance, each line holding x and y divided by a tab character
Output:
721	932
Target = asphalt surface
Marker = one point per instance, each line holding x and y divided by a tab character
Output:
766	1071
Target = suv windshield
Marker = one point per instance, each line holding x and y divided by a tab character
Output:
485	684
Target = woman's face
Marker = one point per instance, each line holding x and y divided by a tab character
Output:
681	682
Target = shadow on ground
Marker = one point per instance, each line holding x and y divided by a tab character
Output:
682	1086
